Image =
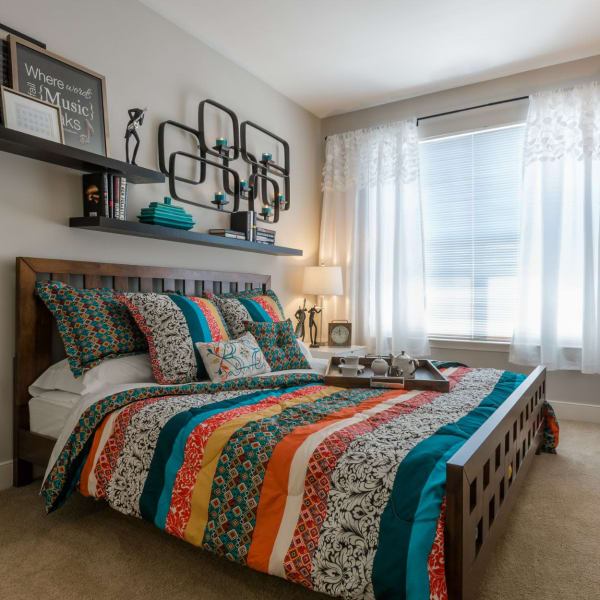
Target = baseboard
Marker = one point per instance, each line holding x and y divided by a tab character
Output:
6	474
573	411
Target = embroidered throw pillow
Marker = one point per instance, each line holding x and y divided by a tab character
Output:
278	343
249	305
93	324
172	325
236	358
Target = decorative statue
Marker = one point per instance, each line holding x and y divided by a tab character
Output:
136	119
312	326
301	316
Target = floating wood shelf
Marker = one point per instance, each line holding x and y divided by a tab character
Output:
158	232
37	148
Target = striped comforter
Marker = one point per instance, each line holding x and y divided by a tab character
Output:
339	490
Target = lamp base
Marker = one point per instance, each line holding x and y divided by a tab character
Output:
315	345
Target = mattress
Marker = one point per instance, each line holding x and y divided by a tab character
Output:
49	411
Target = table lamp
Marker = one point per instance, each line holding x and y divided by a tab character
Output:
320	281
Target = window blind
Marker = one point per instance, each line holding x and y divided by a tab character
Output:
470	189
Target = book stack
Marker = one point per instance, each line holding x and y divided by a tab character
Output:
244	221
265	236
164	213
228	233
105	195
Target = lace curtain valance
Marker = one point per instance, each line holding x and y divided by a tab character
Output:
366	157
564	123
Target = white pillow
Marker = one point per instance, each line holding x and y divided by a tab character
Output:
304	349
241	357
316	364
125	369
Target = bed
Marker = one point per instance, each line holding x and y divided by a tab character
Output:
479	481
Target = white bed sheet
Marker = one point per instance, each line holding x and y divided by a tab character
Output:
49	411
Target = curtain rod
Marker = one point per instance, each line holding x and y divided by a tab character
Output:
459	110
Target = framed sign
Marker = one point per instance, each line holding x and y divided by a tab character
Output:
31	115
5	31
78	92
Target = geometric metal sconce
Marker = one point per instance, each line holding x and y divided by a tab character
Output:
264	173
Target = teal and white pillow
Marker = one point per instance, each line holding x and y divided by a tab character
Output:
93	324
233	358
247	305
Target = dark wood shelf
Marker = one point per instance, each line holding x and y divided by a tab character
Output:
158	232
37	148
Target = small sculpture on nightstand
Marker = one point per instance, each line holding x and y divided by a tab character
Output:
136	119
301	317
312	326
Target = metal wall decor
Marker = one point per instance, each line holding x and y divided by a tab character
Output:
265	175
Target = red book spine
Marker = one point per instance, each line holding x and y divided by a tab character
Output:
111	197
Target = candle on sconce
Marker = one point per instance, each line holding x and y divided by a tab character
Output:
221	141
281	199
220	200
243	184
266	210
266	156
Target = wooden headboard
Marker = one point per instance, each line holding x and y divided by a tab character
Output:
38	344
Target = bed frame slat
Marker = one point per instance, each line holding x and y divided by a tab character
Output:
145	284
92	281
121	284
63	277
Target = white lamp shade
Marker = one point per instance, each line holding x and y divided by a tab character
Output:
323	281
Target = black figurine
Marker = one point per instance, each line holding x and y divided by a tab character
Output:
301	317
312	326
136	119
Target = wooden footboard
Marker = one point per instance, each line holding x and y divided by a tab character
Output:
482	482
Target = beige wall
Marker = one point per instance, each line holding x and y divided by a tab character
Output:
565	387
147	62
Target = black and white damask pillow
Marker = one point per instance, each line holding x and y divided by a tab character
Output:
172	324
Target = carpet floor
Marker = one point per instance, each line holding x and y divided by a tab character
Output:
85	550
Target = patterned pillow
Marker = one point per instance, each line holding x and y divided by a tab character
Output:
172	325
235	358
279	345
93	324
249	305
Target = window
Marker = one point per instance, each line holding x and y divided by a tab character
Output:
470	188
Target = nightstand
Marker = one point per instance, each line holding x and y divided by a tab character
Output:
329	351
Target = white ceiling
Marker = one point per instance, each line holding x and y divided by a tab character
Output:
334	56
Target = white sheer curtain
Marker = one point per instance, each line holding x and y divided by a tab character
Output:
371	225
558	311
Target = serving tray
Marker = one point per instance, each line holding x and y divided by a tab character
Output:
427	377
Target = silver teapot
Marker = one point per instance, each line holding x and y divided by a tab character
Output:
403	365
380	366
